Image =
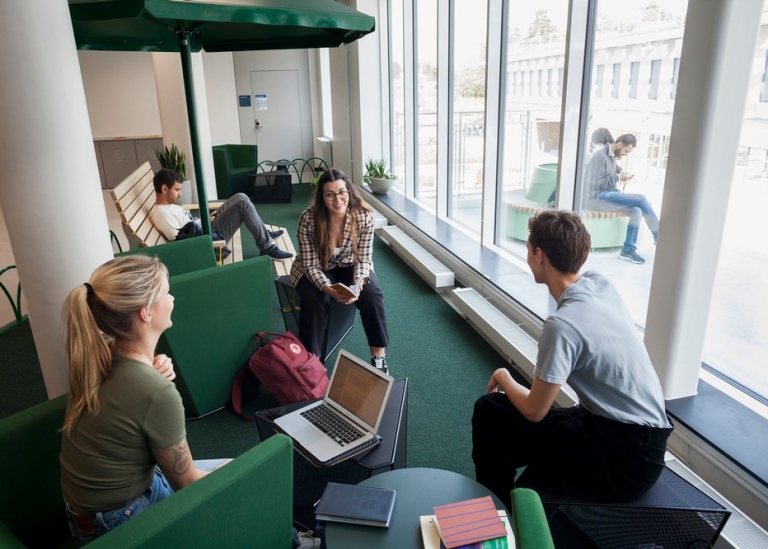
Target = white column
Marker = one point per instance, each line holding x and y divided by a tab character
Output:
718	51
50	191
169	83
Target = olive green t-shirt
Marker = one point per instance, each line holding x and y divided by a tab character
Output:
106	459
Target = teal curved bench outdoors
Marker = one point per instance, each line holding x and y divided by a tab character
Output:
607	229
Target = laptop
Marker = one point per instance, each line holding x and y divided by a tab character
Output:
348	417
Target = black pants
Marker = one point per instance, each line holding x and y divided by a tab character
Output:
570	450
315	306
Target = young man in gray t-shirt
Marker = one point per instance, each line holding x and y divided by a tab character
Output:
613	442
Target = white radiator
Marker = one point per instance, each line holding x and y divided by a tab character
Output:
429	268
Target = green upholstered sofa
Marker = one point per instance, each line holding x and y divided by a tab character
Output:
182	256
607	229
529	523
217	312
247	503
232	165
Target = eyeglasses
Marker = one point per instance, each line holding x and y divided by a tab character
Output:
330	195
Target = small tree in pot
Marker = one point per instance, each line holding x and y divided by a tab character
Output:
172	159
378	177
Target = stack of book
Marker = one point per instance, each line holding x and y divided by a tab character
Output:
469	524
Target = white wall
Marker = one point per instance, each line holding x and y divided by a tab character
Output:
120	93
221	89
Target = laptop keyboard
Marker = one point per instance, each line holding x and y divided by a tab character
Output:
332	424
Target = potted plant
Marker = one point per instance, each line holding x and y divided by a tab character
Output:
175	159
378	177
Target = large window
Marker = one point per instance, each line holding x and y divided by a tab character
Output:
531	126
397	90
426	106
468	30
737	331
637	44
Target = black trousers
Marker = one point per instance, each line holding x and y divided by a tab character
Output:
315	306
570	450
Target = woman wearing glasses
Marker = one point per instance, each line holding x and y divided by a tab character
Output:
336	245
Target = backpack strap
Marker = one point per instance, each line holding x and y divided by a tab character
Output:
237	392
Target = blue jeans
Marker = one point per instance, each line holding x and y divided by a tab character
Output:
636	206
86	528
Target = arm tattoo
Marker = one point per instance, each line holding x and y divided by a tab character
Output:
181	457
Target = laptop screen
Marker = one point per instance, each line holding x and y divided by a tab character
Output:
358	390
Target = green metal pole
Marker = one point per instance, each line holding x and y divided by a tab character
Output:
197	153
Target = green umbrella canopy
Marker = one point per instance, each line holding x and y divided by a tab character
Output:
215	26
188	26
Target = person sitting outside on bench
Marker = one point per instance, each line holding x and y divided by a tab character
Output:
600	137
169	217
335	239
612	443
607	181
124	445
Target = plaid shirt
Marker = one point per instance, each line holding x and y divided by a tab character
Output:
307	260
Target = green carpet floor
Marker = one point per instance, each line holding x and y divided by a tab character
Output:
446	361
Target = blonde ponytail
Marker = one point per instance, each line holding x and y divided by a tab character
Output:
104	308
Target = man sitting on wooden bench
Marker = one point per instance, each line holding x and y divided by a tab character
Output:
169	218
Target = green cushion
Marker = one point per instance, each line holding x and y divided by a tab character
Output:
32	507
182	256
216	315
529	523
246	503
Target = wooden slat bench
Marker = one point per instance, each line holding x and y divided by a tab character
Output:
134	198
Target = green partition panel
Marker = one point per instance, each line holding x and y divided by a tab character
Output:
217	313
182	256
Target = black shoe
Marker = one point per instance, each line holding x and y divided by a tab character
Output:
275	234
380	363
276	253
224	254
632	257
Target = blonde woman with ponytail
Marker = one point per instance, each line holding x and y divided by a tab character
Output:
124	443
336	245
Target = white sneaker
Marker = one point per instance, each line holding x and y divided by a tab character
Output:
309	540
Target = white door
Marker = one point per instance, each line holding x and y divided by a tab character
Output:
276	127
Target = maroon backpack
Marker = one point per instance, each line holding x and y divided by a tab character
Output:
285	368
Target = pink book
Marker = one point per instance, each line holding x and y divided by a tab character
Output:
468	521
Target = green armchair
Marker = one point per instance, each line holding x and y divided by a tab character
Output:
247	503
529	523
232	165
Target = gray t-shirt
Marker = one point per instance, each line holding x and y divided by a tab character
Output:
592	343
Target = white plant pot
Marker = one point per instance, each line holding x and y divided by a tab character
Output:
186	193
380	186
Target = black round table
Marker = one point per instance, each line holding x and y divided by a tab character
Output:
418	491
281	165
